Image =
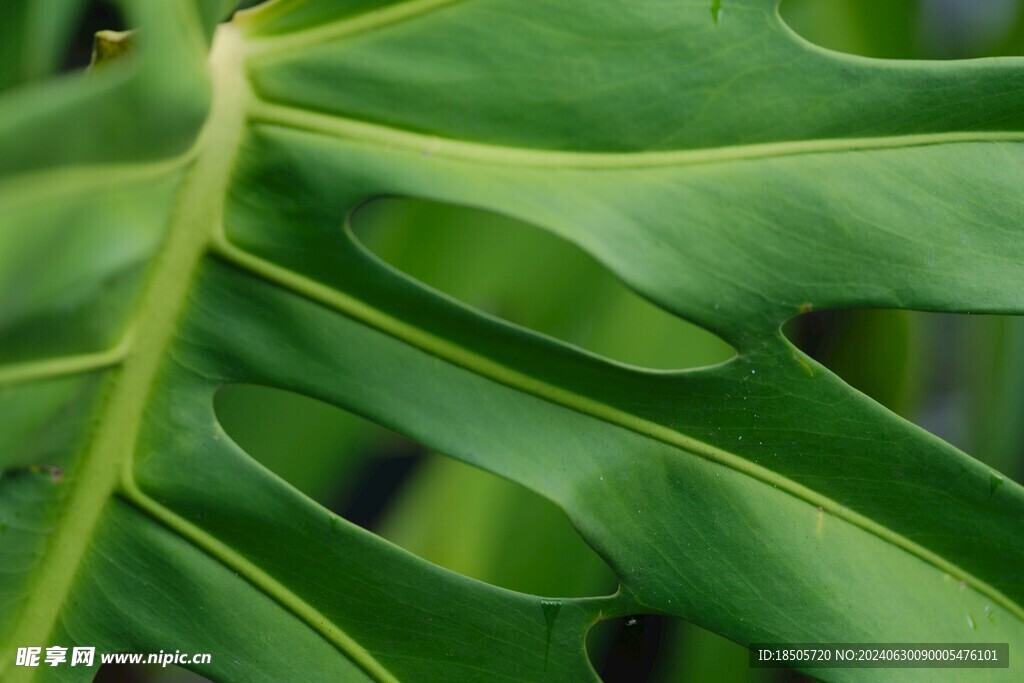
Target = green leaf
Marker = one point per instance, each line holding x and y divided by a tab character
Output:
717	163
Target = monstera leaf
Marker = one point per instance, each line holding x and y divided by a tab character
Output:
176	220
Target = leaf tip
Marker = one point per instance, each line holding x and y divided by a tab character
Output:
109	46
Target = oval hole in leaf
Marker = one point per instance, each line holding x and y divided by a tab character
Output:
531	278
959	376
910	29
452	514
146	673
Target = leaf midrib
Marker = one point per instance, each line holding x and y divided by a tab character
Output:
105	466
108	454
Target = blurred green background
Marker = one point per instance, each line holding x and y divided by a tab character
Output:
961	377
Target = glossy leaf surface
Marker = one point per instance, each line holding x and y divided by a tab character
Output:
176	222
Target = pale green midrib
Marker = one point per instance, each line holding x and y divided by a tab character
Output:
268	585
110	447
486	367
335	126
106	467
268	46
53	368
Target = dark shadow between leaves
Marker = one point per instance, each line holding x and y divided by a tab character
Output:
959	376
451	514
533	279
98	15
